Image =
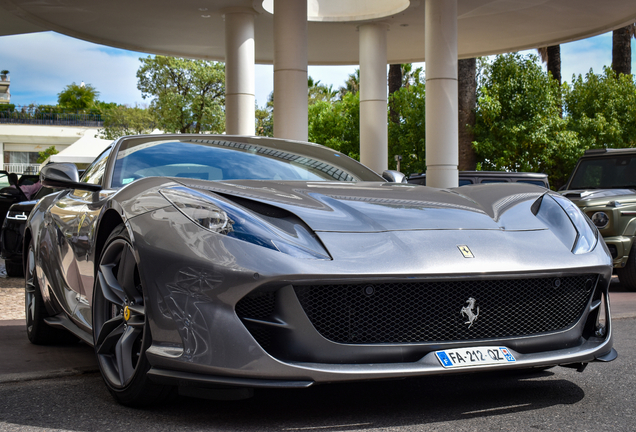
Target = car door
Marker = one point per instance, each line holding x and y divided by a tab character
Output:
74	215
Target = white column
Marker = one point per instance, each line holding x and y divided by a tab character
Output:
240	100
290	69
373	97
441	93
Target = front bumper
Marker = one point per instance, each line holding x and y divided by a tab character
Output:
428	365
194	281
619	247
242	361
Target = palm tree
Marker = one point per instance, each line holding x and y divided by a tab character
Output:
395	83
467	95
552	56
622	49
352	84
320	92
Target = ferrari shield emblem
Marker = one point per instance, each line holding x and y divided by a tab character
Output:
465	251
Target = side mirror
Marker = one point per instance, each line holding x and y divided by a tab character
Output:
65	176
394	176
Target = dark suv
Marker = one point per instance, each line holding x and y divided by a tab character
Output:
603	185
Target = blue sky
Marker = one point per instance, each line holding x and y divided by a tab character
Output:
42	64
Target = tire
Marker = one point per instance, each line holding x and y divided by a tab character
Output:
38	332
120	327
627	274
14	269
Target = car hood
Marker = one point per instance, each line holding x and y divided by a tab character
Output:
376	207
599	196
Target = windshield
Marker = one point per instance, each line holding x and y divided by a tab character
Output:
227	160
618	172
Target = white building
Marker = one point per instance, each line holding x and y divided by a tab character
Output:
5	95
20	144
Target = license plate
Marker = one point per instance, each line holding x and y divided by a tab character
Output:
474	356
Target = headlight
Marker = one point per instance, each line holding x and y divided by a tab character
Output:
227	219
600	219
567	222
199	210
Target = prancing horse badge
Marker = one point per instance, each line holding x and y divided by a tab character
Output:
465	251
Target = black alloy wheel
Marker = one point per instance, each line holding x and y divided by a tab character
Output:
120	327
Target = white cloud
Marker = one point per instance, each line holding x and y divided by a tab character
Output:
42	64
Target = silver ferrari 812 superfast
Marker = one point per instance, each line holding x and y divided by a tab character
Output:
206	263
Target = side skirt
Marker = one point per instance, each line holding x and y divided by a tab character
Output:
62	321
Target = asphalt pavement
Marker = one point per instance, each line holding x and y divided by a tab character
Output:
20	360
559	399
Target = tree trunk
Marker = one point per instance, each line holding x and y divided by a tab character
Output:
467	91
554	67
395	83
622	51
554	62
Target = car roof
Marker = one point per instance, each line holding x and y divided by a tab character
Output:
608	152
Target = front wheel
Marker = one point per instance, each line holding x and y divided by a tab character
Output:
627	274
120	326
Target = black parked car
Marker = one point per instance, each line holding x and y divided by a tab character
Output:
12	234
10	191
483	177
10	194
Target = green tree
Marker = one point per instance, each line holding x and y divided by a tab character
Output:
187	95
122	120
77	97
518	127
602	109
265	118
44	155
337	124
407	135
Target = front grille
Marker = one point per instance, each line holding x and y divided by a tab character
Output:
431	311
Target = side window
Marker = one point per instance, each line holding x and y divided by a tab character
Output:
95	173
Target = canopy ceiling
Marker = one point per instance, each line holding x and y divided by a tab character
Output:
195	28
